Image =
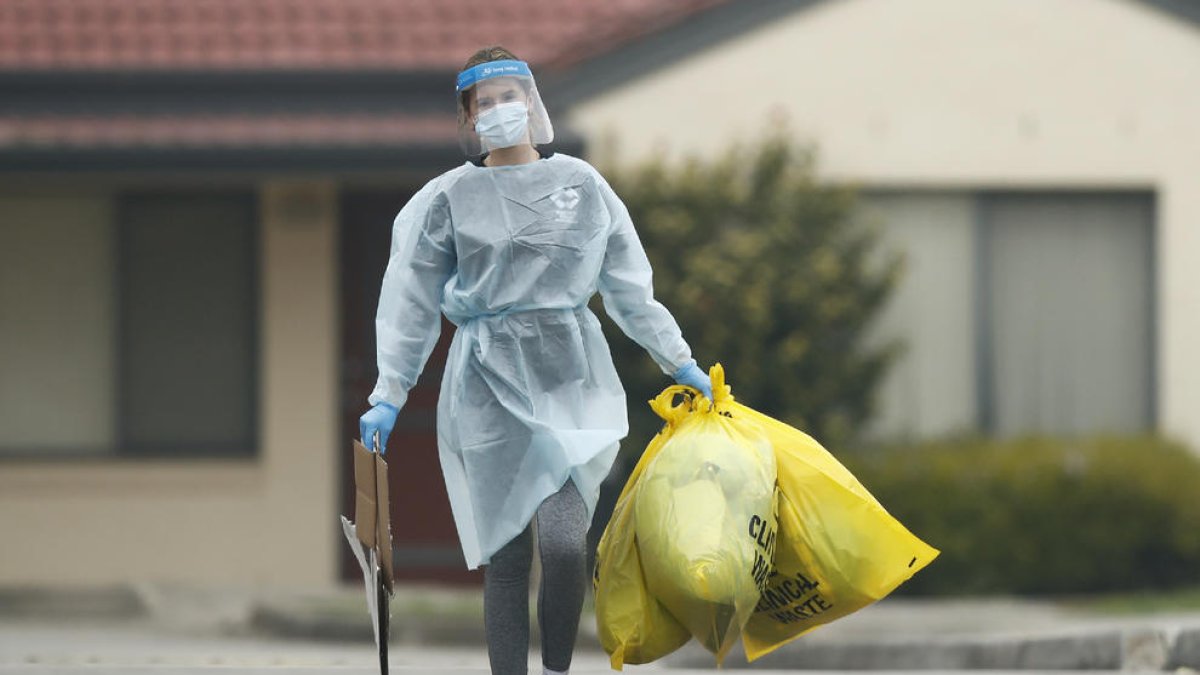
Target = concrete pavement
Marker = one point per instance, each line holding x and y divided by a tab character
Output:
140	647
897	633
983	634
143	646
157	626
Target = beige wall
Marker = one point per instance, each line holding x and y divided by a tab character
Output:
267	521
943	94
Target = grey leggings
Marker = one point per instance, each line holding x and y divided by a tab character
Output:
562	526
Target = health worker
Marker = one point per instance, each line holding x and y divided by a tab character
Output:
510	246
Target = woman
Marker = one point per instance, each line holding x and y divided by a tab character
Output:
510	247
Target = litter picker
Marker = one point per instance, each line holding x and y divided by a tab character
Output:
370	537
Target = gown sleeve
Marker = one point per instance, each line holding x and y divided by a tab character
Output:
408	321
628	294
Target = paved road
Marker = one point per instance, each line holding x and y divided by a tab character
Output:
451	670
149	648
142	647
175	643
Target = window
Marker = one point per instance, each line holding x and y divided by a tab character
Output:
128	325
1067	316
1021	313
930	389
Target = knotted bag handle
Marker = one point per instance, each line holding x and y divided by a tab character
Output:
665	406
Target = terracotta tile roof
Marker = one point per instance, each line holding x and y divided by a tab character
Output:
215	131
317	34
278	36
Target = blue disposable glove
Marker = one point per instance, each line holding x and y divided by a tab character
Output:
379	419
692	376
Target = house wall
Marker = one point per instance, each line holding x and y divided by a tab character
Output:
942	95
269	520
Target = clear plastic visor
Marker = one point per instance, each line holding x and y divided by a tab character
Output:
499	106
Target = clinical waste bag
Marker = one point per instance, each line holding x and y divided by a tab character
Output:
634	627
838	550
825	548
704	519
690	541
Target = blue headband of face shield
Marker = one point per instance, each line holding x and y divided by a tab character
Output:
492	69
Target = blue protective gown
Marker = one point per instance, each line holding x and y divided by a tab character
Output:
529	398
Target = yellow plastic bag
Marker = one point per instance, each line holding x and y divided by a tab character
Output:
634	627
704	520
835	549
838	549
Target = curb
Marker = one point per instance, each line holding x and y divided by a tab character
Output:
1185	653
276	621
59	603
1143	649
407	627
454	619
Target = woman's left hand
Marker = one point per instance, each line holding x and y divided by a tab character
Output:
690	375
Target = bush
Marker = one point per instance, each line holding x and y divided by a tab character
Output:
1044	516
767	271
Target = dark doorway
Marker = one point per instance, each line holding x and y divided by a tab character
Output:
423	532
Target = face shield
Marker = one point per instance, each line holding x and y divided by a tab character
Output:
499	107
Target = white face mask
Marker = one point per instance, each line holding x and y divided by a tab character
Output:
504	125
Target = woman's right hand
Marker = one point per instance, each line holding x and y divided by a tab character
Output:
379	419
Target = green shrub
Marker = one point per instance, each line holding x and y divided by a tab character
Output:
767	270
1044	516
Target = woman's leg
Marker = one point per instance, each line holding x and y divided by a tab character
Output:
562	526
506	606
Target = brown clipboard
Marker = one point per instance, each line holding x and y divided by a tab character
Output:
372	515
